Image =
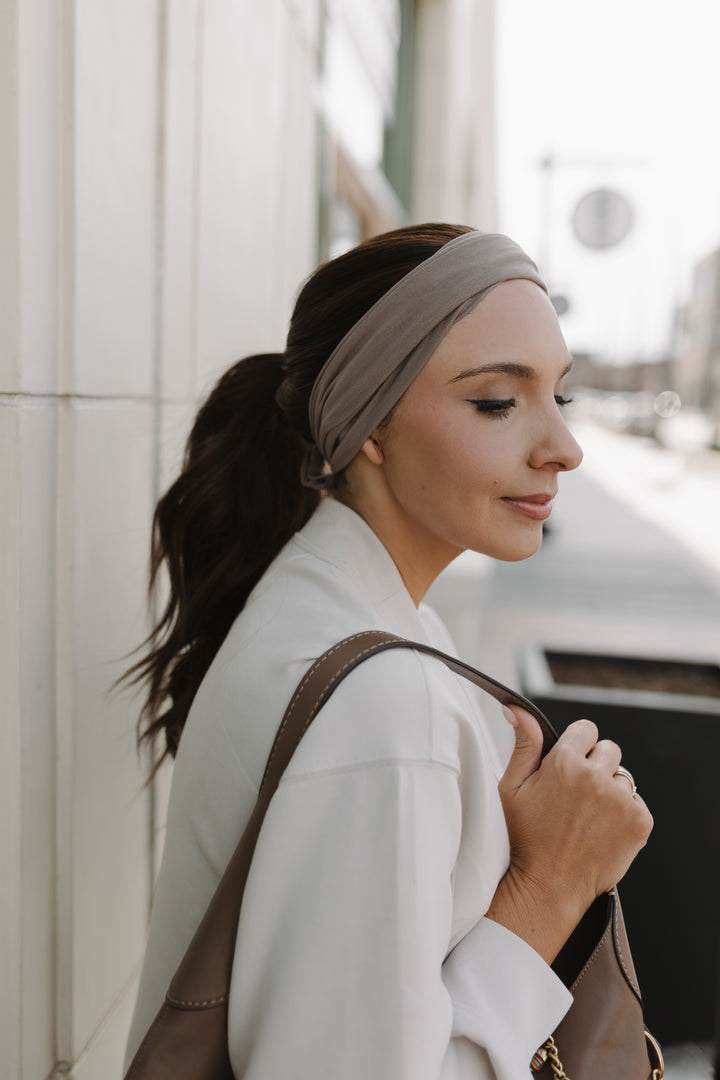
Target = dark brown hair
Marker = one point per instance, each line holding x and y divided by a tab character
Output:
238	498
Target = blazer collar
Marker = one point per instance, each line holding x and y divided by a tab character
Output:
339	536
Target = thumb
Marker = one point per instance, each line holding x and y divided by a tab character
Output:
527	754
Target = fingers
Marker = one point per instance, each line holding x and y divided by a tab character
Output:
528	748
578	751
571	812
644	818
594	764
581	738
605	755
637	826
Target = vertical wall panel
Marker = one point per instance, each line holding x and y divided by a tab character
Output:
115	143
102	1059
179	203
9	199
241	170
10	898
111	513
38	73
64	737
37	444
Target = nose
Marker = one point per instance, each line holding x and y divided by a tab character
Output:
556	447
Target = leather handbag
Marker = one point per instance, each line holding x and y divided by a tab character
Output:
602	1037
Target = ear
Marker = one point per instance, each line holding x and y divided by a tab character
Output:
373	450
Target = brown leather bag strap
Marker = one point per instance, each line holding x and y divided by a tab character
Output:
203	978
332	667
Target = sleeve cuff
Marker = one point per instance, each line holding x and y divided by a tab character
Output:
505	997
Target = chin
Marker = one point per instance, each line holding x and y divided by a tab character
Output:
518	552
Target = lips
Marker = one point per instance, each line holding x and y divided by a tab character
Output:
537	506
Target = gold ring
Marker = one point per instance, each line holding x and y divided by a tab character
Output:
621	771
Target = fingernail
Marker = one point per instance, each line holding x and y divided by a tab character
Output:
509	716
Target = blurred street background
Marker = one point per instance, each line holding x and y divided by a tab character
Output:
630	568
172	170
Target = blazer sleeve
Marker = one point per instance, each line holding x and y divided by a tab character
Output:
341	964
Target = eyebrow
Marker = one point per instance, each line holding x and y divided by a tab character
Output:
519	371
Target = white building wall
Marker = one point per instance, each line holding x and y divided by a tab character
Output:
158	210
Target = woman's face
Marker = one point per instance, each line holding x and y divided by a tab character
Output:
470	457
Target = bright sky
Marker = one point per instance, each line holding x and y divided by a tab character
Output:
626	95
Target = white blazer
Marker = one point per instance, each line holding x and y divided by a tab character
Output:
363	952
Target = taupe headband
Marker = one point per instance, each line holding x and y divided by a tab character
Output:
373	365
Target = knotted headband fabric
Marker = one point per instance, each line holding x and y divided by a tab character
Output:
373	365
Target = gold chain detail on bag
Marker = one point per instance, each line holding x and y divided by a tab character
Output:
659	1069
548	1053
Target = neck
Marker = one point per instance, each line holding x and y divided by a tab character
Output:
418	556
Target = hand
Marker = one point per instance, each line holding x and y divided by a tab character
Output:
574	830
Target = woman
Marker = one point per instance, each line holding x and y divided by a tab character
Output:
406	896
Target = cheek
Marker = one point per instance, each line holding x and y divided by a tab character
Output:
455	461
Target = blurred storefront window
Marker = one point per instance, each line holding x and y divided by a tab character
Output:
398	149
365	119
696	365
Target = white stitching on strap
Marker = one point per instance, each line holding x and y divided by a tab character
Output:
196	1004
593	957
630	978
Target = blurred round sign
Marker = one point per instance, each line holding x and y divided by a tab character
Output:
667	403
602	218
560	303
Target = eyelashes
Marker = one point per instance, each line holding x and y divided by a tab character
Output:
495	408
500	408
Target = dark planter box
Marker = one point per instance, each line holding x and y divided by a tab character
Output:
666	718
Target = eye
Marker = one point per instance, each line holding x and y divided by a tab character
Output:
562	401
494	408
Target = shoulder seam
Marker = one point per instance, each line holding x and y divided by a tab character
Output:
371	766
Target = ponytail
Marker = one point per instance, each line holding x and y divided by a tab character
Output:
239	498
236	503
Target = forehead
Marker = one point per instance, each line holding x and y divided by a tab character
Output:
515	322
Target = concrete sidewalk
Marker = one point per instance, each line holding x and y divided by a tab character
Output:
607	580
